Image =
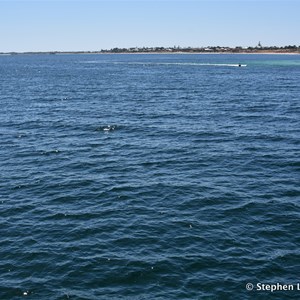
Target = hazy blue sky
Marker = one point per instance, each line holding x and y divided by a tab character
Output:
43	25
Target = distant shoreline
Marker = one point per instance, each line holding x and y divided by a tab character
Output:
143	53
175	50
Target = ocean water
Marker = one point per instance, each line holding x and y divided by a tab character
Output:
149	176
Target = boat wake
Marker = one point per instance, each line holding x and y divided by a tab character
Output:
187	64
167	64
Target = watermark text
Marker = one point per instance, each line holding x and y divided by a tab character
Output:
275	287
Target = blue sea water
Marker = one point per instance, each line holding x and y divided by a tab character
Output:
149	176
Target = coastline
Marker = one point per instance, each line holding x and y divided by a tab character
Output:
274	50
153	52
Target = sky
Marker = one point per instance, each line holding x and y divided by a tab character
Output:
91	25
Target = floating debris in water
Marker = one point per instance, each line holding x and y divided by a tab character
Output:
49	152
109	128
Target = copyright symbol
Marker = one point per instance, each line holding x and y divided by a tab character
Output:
249	286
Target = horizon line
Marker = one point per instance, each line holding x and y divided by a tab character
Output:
177	48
